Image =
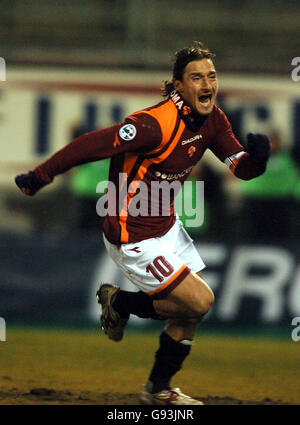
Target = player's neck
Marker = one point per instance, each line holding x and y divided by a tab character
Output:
191	118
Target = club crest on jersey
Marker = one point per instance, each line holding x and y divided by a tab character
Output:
127	132
186	110
191	151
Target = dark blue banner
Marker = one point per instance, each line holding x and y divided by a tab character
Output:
50	277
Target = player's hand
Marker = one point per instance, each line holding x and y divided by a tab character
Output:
28	183
258	147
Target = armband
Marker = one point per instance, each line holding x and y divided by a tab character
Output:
233	160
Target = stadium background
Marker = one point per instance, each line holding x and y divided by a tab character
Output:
74	66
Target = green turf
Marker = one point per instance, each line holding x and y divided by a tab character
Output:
42	365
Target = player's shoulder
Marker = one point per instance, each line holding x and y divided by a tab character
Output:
217	112
145	123
163	104
161	117
218	117
160	112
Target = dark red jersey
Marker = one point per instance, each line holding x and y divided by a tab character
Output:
157	144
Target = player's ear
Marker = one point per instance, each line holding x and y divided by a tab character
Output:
178	86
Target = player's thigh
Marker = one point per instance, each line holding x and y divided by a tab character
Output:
194	293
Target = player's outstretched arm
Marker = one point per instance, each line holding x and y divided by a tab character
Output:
86	148
247	162
141	134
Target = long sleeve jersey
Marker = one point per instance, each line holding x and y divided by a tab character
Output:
158	144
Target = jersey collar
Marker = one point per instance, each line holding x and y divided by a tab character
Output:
191	119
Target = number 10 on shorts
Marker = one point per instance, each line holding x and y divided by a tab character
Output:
160	268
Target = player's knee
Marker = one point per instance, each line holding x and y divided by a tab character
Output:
208	301
195	296
203	303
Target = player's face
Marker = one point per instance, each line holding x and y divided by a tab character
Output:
199	85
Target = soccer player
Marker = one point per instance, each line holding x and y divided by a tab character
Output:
158	144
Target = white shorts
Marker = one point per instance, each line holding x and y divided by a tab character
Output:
157	265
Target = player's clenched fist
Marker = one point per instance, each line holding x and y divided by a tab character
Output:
258	147
28	183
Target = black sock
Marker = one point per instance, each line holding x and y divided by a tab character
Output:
168	360
137	303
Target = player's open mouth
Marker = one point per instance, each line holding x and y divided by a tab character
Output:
205	99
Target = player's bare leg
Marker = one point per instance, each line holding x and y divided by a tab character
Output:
183	327
176	340
184	308
192	299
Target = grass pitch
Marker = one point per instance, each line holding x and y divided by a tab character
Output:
65	366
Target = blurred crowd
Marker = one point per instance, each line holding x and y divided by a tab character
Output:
270	203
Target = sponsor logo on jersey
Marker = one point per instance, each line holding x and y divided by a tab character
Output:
165	176
127	132
192	139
